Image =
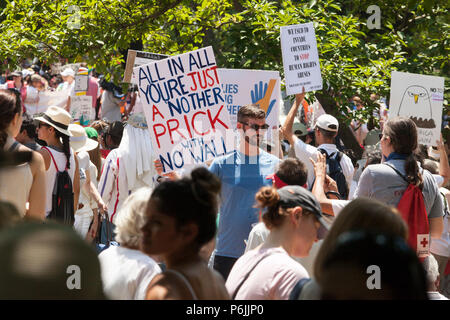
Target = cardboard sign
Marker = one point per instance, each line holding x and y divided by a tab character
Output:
419	98
81	109
136	59
185	109
244	87
300	58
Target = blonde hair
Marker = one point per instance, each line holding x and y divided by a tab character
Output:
131	218
360	214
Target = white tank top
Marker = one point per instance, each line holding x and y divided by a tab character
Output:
16	182
50	174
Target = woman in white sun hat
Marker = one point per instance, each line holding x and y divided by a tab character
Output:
53	129
86	213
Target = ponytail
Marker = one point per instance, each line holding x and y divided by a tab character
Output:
413	174
403	134
3	137
66	146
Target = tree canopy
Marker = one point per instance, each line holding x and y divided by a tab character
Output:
355	60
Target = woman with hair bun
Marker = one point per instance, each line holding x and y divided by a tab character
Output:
181	218
26	182
295	222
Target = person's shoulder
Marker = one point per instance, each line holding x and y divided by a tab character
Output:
281	262
268	156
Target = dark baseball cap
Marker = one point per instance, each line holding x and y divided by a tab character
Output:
296	196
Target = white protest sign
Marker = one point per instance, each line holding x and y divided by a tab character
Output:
81	109
53	98
185	109
300	58
81	83
420	98
244	87
136	59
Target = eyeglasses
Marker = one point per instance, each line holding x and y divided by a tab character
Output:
42	124
256	127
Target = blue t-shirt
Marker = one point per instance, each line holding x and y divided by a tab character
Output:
241	177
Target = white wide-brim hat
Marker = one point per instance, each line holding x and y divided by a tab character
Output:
68	72
79	140
58	118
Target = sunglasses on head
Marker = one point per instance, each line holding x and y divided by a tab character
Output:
256	127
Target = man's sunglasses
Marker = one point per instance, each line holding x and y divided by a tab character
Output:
256	127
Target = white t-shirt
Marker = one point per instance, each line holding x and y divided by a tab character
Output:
126	273
272	279
305	151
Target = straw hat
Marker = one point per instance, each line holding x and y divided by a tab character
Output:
58	118
79	140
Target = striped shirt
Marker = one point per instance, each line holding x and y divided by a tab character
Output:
113	186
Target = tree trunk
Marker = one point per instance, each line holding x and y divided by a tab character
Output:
345	132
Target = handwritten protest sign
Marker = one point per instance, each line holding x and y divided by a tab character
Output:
81	82
420	98
300	58
186	112
136	59
81	109
243	87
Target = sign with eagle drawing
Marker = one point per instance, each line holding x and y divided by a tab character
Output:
420	98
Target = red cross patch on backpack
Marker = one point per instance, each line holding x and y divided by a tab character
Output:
414	213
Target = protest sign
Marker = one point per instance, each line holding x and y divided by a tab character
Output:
81	83
420	98
81	109
53	98
136	59
185	109
244	87
300	58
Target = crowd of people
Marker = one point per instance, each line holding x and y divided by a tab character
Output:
306	223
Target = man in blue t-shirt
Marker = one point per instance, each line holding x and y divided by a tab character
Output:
242	172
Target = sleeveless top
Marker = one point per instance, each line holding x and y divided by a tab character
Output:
50	174
15	181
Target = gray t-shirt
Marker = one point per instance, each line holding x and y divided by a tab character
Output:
380	182
110	107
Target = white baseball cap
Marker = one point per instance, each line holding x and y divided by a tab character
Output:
327	122
68	72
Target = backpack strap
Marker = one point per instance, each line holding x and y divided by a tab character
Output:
247	275
297	291
51	155
13	146
398	172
